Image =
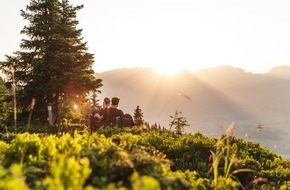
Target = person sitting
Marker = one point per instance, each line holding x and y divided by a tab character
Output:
113	114
97	116
106	105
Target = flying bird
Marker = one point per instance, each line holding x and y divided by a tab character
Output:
185	96
259	127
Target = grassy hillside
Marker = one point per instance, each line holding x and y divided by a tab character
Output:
129	158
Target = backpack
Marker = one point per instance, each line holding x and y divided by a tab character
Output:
127	120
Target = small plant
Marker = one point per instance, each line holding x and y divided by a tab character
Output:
226	155
178	122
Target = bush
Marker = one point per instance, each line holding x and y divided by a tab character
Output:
127	158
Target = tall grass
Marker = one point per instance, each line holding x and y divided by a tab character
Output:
224	154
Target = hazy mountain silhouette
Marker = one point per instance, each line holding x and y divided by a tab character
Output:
210	99
280	71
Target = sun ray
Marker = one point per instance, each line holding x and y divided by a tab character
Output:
167	70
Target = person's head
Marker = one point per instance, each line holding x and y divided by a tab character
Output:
107	100
115	101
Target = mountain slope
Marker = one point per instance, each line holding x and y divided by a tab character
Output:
209	95
282	71
209	99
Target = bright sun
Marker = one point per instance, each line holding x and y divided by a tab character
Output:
167	70
171	69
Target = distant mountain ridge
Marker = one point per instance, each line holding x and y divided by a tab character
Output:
210	99
280	71
218	92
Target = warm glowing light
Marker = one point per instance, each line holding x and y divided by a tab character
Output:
167	70
75	106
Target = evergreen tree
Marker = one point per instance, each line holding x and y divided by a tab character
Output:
154	126
138	116
178	122
93	97
53	66
5	103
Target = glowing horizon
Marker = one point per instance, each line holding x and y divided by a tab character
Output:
190	35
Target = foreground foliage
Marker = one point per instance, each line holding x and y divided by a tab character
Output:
114	158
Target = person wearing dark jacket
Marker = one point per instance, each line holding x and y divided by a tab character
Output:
113	114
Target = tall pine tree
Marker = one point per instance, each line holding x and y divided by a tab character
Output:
53	65
5	103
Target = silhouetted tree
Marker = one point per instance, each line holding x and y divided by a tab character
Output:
154	126
53	65
138	116
147	125
178	122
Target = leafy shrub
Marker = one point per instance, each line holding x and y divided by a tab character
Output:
127	158
67	173
12	178
24	148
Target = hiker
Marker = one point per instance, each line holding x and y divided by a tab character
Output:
106	105
113	114
99	116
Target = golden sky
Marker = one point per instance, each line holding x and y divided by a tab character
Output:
173	34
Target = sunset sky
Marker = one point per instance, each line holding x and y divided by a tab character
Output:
173	34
